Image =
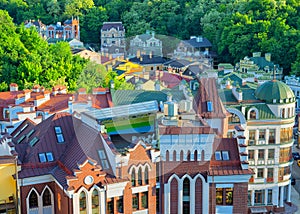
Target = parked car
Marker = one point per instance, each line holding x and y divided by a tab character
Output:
293	181
296	155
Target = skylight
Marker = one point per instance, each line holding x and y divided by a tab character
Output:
19	132
104	161
59	134
21	139
209	106
46	157
30	133
33	141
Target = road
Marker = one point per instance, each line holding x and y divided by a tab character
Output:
296	175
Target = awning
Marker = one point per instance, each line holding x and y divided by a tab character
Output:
258	210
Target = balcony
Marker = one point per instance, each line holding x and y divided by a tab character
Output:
260	162
270	180
259	180
286	177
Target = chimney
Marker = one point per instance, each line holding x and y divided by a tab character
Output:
256	54
268	57
70	104
13	87
138	54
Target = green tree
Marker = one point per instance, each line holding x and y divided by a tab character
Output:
92	76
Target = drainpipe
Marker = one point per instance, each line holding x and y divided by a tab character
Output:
18	211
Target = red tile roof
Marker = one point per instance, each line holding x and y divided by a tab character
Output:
55	104
168	130
208	92
227	167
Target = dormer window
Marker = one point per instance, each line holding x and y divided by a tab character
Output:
222	155
209	106
59	134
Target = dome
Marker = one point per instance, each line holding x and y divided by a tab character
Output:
275	90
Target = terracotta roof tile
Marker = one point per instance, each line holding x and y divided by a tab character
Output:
208	93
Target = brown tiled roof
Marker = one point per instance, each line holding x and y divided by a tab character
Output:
164	130
227	167
208	92
81	143
98	100
56	103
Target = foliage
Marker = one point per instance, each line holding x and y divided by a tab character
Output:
27	59
235	28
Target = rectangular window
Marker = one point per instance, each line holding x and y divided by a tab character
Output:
251	134
110	206
270	196
42	157
120	204
271	153
262	134
224	196
209	106
259	197
105	164
219	196
49	156
135	201
59	134
21	139
270	172
218	155
102	154
33	141
145	200
225	155
249	197
261	154
272	136
30	133
46	157
260	173
250	154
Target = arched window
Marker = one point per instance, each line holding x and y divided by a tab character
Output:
186	196
167	155
133	178
202	155
33	200
195	155
95	201
146	175
82	202
174	155
140	176
283	113
46	198
188	156
181	155
234	118
252	114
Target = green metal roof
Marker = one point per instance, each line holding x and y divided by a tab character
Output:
264	112
125	97
275	90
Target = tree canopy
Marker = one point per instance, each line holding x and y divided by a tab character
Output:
236	28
